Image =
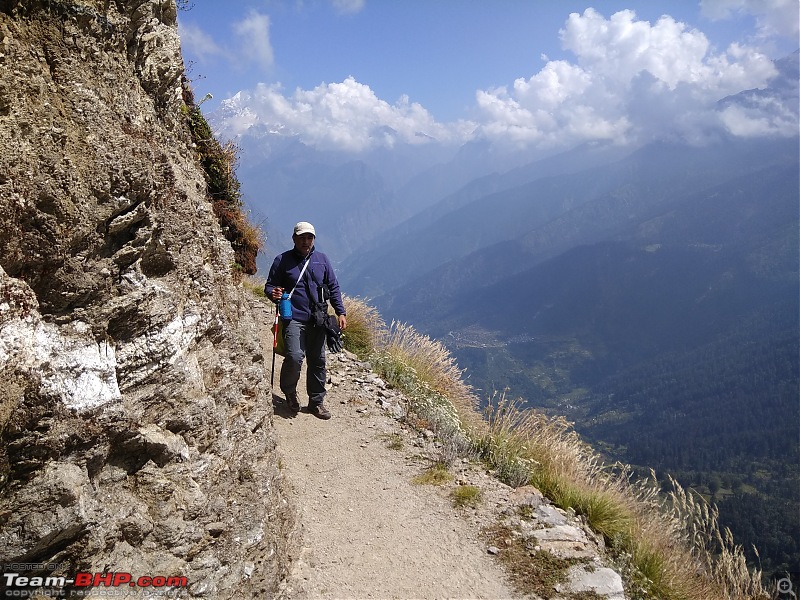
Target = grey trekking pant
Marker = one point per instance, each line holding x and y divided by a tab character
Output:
304	340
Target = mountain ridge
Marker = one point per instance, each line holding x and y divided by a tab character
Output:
711	274
604	209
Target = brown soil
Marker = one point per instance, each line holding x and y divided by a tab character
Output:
365	529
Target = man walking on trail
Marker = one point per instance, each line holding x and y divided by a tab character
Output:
308	277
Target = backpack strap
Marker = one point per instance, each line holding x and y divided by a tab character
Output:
303	270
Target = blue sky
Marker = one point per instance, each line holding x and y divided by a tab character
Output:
336	71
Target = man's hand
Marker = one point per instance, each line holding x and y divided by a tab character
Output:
342	322
276	294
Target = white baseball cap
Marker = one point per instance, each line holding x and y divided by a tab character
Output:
304	227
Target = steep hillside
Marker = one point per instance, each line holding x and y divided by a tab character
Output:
135	428
673	341
475	242
678	258
365	271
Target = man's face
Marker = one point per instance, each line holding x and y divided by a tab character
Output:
303	243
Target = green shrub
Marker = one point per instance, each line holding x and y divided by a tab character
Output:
466	496
436	474
223	188
255	286
363	327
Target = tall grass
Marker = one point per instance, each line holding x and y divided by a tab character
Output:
430	366
667	545
364	327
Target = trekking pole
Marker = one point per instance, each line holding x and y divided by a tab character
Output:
274	347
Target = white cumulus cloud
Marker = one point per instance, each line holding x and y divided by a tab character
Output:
253	32
348	6
346	115
773	17
199	43
632	80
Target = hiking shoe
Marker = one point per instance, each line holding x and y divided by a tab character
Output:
319	411
292	403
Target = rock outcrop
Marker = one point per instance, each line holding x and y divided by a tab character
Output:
136	429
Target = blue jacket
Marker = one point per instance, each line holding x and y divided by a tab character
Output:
284	273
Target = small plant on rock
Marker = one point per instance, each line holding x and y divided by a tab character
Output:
394	441
223	188
436	474
466	496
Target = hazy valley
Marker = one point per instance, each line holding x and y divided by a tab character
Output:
650	294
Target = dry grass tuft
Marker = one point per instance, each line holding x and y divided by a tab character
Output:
436	474
364	327
394	441
429	359
466	496
669	546
254	285
430	363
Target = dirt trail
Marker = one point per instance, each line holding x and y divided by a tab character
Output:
366	531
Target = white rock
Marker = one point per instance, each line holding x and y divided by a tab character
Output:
603	582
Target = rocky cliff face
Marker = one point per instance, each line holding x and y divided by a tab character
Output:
135	420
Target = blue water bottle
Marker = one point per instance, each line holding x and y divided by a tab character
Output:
285	307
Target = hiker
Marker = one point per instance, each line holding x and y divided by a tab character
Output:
308	277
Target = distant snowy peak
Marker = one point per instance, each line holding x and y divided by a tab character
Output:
783	86
236	117
769	111
350	119
330	119
261	132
